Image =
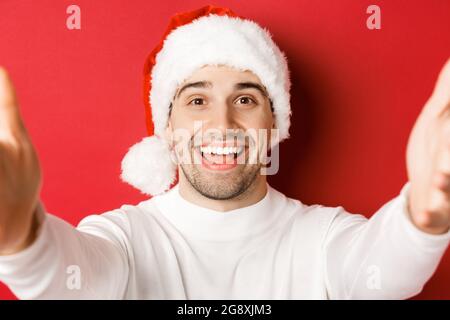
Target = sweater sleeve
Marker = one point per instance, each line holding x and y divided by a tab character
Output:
384	257
87	262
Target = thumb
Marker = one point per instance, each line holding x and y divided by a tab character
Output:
441	94
10	121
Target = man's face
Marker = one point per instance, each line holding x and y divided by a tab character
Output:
233	114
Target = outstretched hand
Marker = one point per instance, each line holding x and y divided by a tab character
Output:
20	174
428	160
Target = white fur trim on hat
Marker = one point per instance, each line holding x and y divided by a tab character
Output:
149	166
213	40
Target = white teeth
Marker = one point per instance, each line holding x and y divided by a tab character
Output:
221	150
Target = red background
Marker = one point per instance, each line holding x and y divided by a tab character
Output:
356	94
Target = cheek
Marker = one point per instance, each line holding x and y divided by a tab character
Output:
260	120
259	126
181	131
186	119
180	122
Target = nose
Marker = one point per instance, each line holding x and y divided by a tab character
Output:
223	117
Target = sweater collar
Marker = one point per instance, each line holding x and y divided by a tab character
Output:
208	224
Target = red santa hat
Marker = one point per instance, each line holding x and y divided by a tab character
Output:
207	36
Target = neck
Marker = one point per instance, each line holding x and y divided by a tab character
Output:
254	193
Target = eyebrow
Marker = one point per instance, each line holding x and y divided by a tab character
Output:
237	86
198	84
254	85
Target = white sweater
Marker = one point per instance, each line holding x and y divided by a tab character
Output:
277	248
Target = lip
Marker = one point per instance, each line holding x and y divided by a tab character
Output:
219	167
223	144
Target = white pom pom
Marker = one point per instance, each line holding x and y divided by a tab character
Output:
149	166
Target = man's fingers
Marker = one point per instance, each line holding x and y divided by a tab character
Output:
10	120
443	151
441	178
439	101
437	213
442	88
439	203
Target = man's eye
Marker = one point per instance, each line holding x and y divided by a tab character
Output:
244	99
196	100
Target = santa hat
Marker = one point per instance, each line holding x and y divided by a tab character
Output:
208	36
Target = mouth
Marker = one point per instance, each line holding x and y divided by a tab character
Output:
221	158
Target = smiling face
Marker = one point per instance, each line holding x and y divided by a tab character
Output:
220	159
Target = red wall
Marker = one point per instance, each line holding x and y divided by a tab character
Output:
356	94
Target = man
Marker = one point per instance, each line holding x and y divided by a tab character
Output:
222	232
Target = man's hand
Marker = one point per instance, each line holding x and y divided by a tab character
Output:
20	174
428	160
